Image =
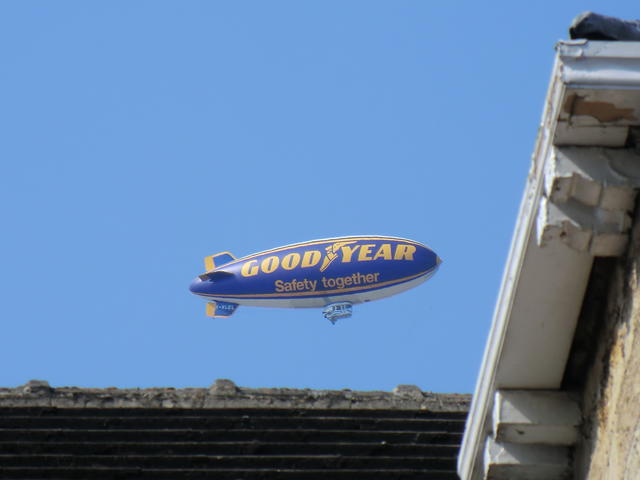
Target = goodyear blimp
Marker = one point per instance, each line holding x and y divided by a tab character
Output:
333	273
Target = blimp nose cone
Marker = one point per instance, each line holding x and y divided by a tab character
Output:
196	286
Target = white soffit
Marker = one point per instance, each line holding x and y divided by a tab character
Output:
593	98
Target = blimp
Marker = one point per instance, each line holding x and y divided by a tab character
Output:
333	274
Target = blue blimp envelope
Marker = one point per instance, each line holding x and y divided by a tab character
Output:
333	274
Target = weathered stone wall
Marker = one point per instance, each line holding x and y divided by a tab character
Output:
225	394
610	447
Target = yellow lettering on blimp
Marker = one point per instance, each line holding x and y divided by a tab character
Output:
290	261
311	258
270	264
383	252
365	253
404	252
347	253
250	268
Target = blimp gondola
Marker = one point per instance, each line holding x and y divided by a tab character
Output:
332	274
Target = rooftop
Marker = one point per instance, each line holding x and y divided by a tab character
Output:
228	432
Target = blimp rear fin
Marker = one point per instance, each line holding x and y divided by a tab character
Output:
214	261
221	309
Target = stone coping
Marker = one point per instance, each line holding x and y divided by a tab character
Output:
225	394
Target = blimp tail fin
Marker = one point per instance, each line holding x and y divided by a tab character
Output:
221	309
214	261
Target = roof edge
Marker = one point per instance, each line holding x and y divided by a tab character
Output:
225	394
543	285
474	435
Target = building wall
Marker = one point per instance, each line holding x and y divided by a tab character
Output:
228	432
610	446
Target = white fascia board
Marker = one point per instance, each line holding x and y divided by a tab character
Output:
482	402
600	64
542	287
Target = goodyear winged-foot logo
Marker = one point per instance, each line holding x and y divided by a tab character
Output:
332	253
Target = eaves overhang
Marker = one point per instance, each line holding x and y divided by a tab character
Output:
574	208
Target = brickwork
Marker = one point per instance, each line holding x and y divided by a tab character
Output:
610	448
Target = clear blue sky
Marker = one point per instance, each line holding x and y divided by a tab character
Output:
138	137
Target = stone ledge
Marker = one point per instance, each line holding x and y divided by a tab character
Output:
225	394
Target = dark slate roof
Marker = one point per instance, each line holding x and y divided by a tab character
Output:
226	432
594	26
